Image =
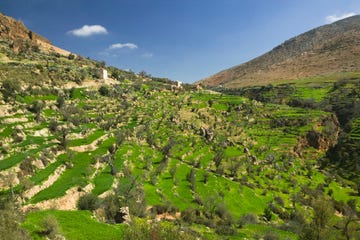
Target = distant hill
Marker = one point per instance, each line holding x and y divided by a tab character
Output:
324	50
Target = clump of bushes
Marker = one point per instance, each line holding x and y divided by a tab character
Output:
51	227
88	201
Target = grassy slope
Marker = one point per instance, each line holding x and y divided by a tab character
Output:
75	225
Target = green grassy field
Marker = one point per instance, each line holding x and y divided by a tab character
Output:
77	225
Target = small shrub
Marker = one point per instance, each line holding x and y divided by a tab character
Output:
88	202
206	176
60	101
188	215
27	167
280	201
10	220
160	208
222	211
71	56
267	214
271	236
53	124
51	227
198	200
248	219
111	206
10	88
104	91
225	228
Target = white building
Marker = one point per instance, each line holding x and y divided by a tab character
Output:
104	74
178	84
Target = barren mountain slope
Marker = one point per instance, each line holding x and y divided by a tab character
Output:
325	50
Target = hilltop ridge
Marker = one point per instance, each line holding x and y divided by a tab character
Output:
16	32
324	50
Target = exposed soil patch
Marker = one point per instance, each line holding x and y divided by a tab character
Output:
90	83
15	120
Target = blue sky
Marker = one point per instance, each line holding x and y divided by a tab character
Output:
184	40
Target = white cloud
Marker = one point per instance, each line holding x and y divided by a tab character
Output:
334	18
88	30
147	55
123	45
111	50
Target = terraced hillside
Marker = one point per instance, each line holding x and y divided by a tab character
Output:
338	93
135	157
223	156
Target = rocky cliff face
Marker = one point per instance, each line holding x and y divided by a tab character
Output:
324	50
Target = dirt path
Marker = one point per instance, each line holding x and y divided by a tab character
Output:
90	83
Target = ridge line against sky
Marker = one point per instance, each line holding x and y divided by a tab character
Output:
183	40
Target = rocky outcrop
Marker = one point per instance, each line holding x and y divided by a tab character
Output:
322	137
123	215
207	133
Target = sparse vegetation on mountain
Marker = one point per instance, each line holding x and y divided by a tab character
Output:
322	51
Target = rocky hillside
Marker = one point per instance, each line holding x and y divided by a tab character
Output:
322	51
19	35
30	61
